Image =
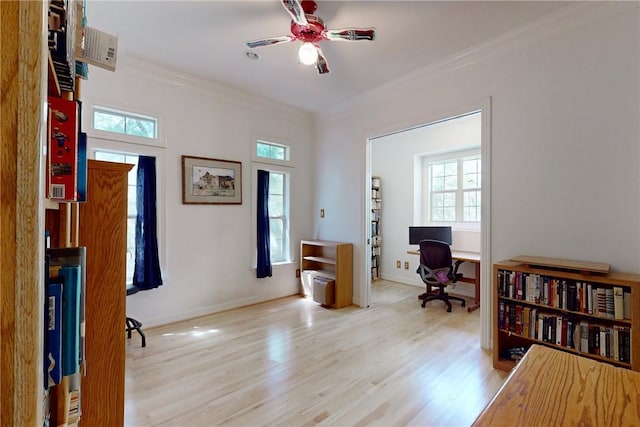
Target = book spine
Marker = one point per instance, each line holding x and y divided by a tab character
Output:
53	359
618	303
70	318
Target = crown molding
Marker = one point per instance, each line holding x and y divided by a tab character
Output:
150	71
564	20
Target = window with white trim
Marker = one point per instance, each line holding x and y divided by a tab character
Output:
454	187
125	123
275	158
270	150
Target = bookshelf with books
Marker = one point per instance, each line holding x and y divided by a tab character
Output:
331	263
574	306
376	237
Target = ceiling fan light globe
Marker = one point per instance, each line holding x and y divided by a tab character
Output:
308	54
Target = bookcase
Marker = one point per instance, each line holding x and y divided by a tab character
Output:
376	237
574	306
103	231
332	260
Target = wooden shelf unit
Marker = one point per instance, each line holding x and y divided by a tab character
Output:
376	237
103	231
570	272
333	260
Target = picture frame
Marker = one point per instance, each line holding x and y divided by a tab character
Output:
207	181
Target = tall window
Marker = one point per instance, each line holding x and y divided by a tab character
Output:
111	156
454	189
272	157
278	213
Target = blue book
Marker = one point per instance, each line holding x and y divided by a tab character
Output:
71	276
53	319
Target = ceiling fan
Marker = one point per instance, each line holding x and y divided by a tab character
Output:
310	30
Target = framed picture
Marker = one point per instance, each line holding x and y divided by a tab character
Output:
211	181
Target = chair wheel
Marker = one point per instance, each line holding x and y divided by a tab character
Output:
424	303
448	309
464	303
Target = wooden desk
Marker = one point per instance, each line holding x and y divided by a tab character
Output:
552	387
472	257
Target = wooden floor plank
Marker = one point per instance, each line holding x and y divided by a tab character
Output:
291	362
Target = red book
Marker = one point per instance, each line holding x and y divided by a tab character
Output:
62	152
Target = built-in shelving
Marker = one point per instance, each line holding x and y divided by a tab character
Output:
574	306
376	237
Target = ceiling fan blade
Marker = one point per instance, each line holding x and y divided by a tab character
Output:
295	10
321	63
350	34
269	41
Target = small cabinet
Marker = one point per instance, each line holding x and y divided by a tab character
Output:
328	260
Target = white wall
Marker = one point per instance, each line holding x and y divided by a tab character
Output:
208	254
392	159
565	155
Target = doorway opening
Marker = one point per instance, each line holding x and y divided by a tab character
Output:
436	174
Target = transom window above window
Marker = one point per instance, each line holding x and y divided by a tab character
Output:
269	150
125	123
454	188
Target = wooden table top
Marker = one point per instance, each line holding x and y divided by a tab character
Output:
554	388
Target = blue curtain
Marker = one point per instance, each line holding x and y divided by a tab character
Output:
264	251
146	273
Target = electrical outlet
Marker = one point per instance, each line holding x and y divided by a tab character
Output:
321	213
397	264
406	265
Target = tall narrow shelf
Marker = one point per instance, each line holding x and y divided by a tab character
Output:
567	305
332	260
376	237
103	231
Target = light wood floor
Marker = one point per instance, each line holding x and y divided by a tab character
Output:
293	363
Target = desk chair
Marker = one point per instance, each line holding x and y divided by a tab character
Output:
437	269
133	324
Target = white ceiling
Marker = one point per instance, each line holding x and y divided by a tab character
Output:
205	39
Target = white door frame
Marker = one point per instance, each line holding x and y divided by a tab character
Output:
486	306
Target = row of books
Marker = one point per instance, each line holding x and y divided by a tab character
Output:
64	314
62	23
375	228
613	302
611	341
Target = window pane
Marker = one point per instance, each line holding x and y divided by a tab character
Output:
471	168
271	151
451	168
437	184
276	231
276	183
124	123
108	122
109	157
451	182
450	214
437	170
131	200
141	127
131	248
276	206
471	211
